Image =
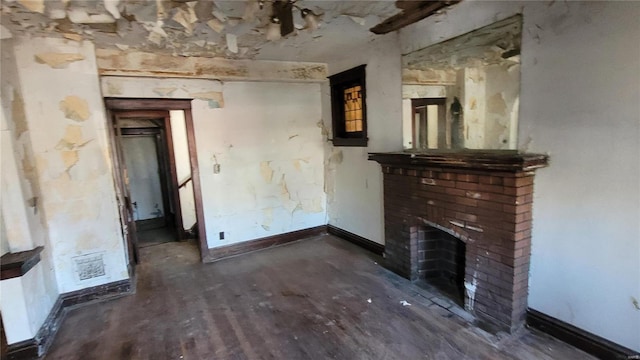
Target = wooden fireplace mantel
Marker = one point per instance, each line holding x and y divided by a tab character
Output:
486	160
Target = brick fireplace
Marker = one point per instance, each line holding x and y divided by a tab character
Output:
463	219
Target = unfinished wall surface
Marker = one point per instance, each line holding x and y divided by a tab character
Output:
354	184
578	102
65	116
265	140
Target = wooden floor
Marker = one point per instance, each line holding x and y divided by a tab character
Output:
305	300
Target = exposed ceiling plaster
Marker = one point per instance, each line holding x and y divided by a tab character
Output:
208	28
498	43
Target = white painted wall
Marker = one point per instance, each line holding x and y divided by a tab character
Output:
354	184
67	126
264	137
578	102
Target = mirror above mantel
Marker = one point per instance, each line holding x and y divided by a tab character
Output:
464	93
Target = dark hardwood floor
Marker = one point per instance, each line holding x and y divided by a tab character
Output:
304	300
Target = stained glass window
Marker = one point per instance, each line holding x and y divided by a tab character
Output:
349	107
353	109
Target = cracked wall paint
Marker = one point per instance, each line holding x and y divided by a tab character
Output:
58	60
257	137
70	158
260	170
75	108
154	88
266	171
142	64
267	218
33	5
164	92
213	98
285	196
18	115
297	163
69	143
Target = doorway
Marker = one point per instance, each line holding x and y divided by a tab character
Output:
146	164
429	125
155	168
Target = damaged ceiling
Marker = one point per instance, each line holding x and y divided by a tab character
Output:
207	28
497	43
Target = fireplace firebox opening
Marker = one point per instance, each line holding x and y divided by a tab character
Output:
441	262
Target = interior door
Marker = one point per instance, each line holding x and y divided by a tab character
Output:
124	197
144	179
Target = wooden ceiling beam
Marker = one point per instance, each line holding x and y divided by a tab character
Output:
413	11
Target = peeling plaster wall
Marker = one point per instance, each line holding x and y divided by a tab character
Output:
578	102
66	118
21	209
265	138
354	184
270	153
502	94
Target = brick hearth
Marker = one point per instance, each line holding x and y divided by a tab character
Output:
483	198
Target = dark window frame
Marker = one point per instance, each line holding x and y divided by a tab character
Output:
339	82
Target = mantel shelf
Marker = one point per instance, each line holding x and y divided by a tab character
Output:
14	265
492	160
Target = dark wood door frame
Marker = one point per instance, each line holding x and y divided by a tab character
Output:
144	107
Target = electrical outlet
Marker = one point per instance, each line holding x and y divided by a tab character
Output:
221	235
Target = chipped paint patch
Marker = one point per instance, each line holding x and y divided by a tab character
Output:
18	114
165	92
267	218
69	158
74	37
297	163
497	105
266	171
470	288
323	128
72	139
58	60
75	108
336	157
285	196
214	98
313	206
33	5
114	88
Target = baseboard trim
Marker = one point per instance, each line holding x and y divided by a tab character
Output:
372	246
583	340
224	252
38	346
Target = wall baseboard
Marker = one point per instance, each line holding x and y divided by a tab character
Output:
38	345
224	252
583	340
372	246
